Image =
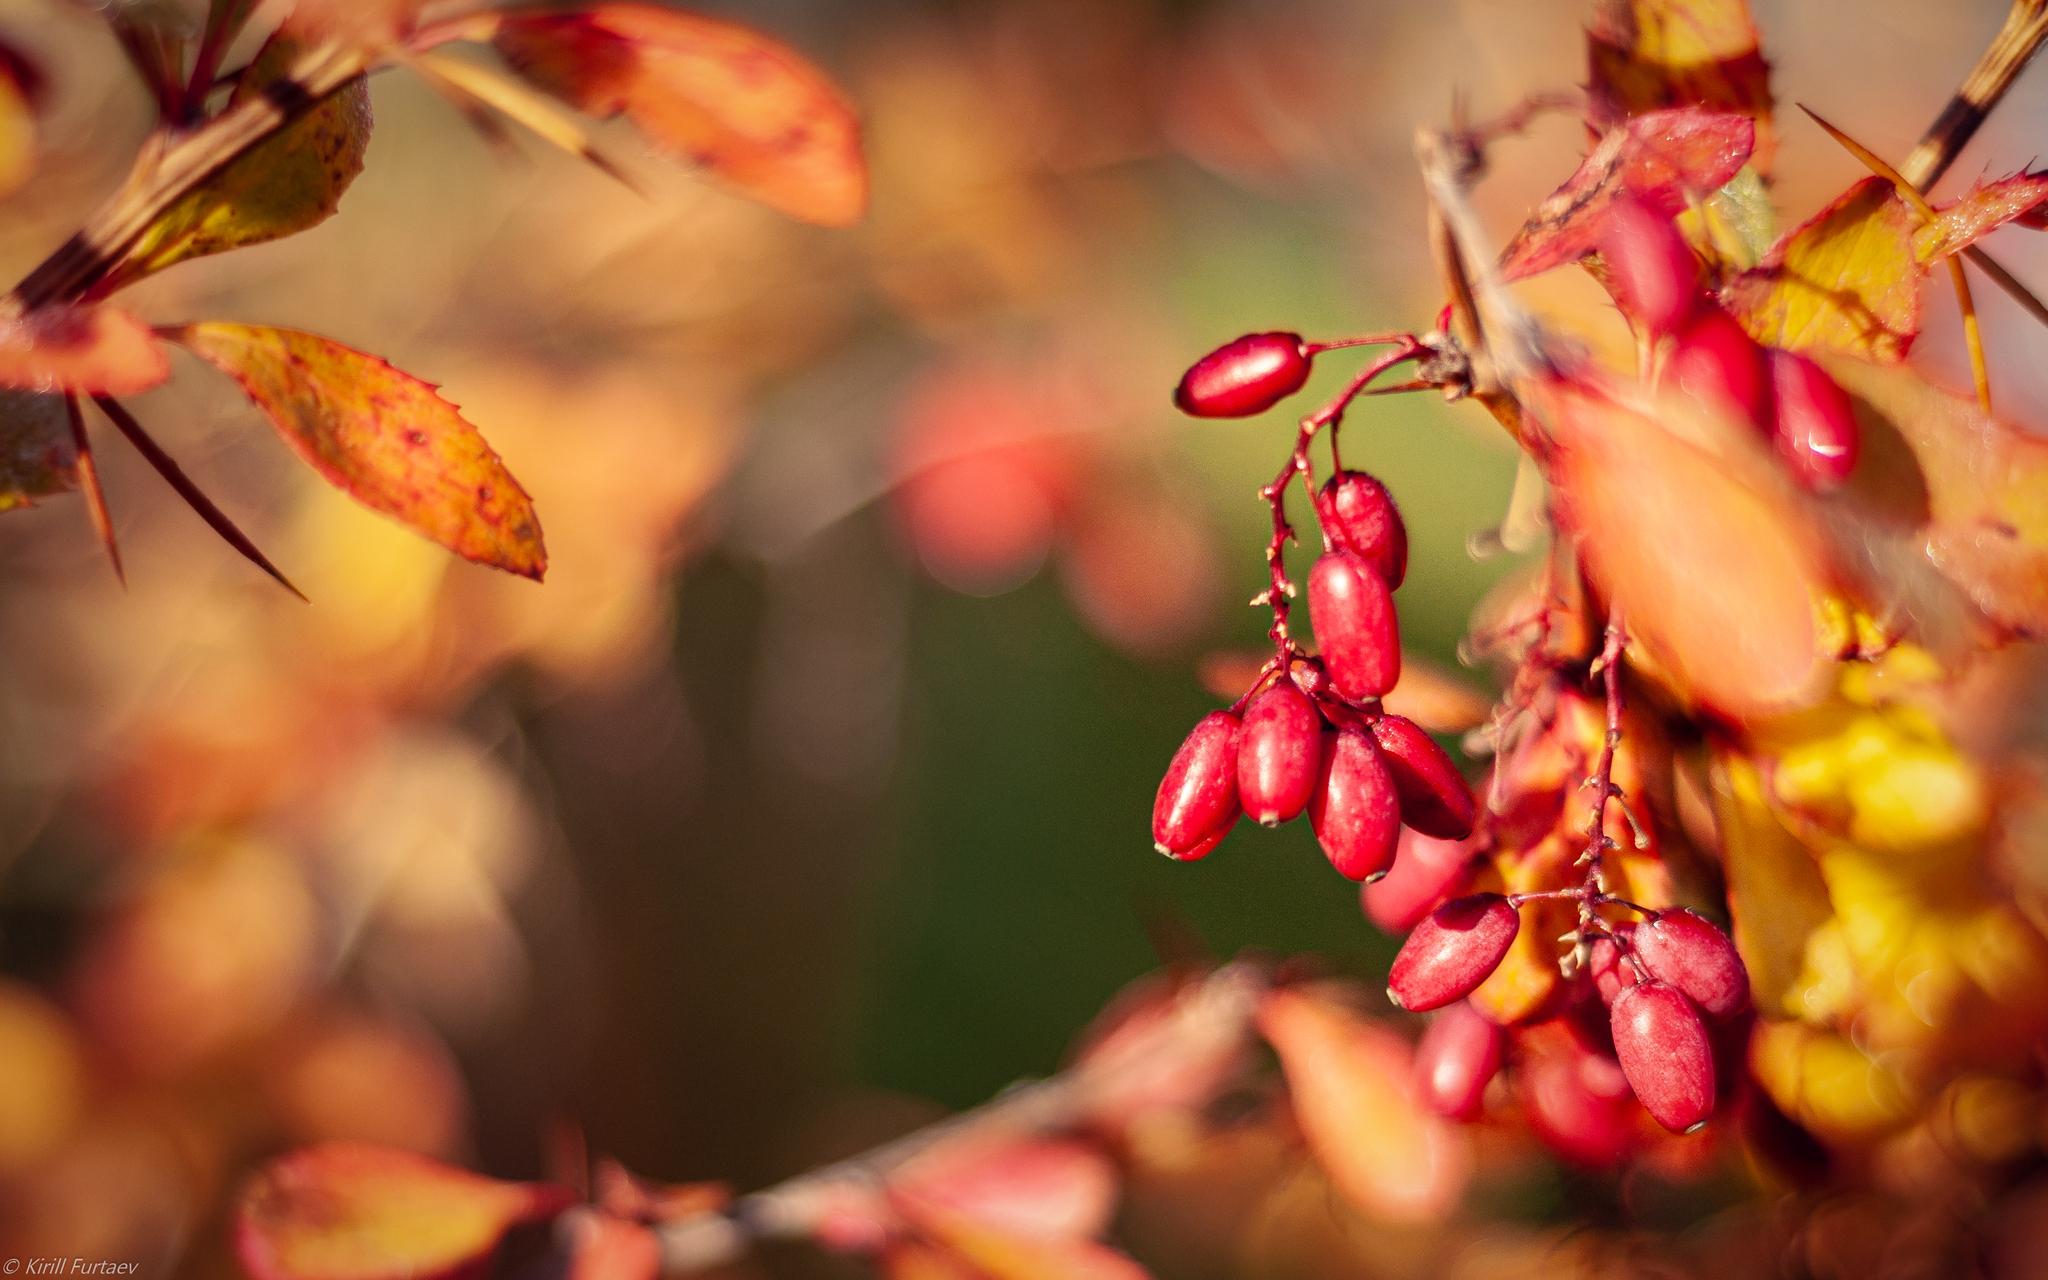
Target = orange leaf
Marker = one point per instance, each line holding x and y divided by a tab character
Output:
352	1211
709	92
1035	1188
1645	54
1350	1080
998	1255
1845	281
93	350
383	436
1708	550
608	1248
1961	223
1658	158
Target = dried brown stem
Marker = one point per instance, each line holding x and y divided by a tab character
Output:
2010	51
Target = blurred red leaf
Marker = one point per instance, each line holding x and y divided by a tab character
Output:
608	1248
1846	280
621	1193
995	1254
1645	54
1354	1098
1980	211
350	1211
1031	1188
93	350
382	436
709	92
1657	158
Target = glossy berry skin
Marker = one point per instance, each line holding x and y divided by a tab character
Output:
1452	951
1279	754
1611	974
1664	1052
1241	378
1434	797
1356	813
1690	953
1355	625
1358	515
1426	870
1719	365
1650	270
1455	1060
1197	801
1815	429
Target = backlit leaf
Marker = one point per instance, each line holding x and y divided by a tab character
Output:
1658	158
608	1248
707	92
1645	54
995	1254
1982	210
1033	1188
1846	281
36	457
383	436
291	181
1775	893
93	350
352	1211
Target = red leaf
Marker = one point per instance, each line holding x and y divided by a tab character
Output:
1657	158
351	1211
1031	1188
608	1248
705	91
383	436
1980	211
92	350
996	1254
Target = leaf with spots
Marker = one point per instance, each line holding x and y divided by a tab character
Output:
291	181
383	436
353	1211
91	350
705	91
1846	281
36	454
1644	55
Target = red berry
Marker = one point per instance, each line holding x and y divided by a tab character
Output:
1816	429
1278	754
1662	1045
1687	951
1425	871
1356	813
1358	515
1452	951
1434	797
1611	973
1719	365
1458	1056
1354	621
1650	269
1578	1103
1244	377
1197	800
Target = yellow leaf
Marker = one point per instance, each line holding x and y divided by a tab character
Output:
1846	281
1775	892
1646	54
382	436
352	1211
705	91
291	181
36	457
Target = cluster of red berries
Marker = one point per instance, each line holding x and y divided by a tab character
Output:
1654	277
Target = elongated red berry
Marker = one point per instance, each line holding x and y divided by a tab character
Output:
1197	802
1651	272
1434	797
1815	430
1457	1057
1689	952
1358	515
1611	973
1663	1048
1353	616
1356	813
1279	754
1426	870
1718	364
1452	951
1241	378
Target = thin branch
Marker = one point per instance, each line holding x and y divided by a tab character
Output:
2007	281
2010	50
89	483
198	501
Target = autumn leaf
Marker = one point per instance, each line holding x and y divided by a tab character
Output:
707	92
353	1211
1642	55
1845	281
608	1248
36	455
1030	1188
1775	893
19	150
92	350
995	1254
383	436
289	182
1658	158
1986	207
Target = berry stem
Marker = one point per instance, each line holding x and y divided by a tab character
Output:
1592	892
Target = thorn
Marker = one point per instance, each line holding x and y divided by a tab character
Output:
89	481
